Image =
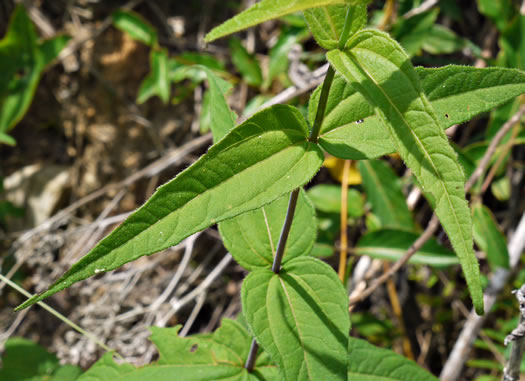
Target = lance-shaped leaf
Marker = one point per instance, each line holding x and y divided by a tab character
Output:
327	23
367	362
264	11
384	193
258	161
350	130
379	68
252	237
392	244
196	358
300	317
133	24
218	115
158	81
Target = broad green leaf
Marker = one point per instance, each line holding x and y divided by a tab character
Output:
327	23
246	63
267	10
327	198
22	61
392	244
215	110
489	237
384	193
367	362
263	158
24	360
158	80
300	317
350	129
379	68
134	25
219	356
252	237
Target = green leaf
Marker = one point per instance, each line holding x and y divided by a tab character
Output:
391	244
512	44
195	358
220	117
6	139
266	10
327	23
134	25
367	362
50	49
158	80
489	238
24	360
499	11
22	61
300	317
442	40
327	198
412	32
384	193
377	66
279	52
252	237
246	63
263	158
501	188
350	129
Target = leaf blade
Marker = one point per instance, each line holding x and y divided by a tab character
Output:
252	237
370	363
381	70
350	129
392	244
208	191
300	317
264	11
385	194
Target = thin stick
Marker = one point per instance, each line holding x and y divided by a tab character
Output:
398	312
343	251
62	317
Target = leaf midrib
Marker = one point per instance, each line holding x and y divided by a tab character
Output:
222	182
427	155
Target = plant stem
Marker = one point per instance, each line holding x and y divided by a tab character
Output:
321	107
346	29
292	203
276	267
250	361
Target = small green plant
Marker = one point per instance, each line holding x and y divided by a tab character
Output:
250	183
23	58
